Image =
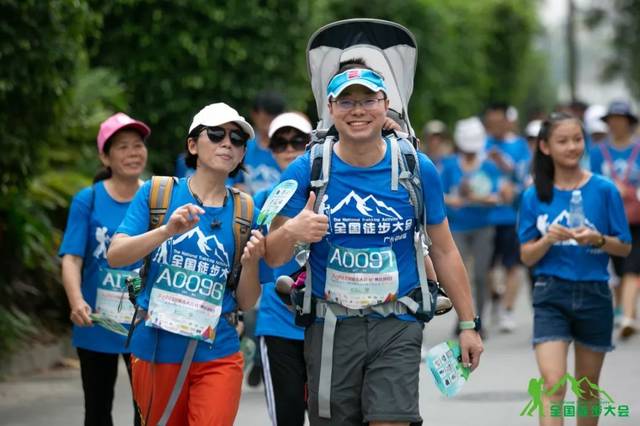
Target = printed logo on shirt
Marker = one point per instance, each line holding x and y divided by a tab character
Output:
163	252
102	239
207	257
620	168
366	206
366	215
543	225
480	184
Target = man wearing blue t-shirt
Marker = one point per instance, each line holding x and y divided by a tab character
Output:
362	253
512	156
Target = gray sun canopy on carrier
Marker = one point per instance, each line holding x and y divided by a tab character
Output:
387	47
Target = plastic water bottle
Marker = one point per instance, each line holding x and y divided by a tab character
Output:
576	210
444	361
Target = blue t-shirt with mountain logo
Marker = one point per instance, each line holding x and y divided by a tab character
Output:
567	260
206	253
371	227
93	219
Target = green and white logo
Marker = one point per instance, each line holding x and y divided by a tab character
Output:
592	400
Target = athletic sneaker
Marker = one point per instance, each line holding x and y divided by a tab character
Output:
627	328
617	316
507	321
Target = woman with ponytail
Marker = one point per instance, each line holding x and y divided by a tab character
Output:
93	288
570	222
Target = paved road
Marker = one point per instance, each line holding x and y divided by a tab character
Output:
495	395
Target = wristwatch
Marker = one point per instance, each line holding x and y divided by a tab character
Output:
601	241
476	324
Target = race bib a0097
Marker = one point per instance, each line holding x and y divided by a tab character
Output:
359	278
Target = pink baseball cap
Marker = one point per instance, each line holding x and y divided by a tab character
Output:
118	122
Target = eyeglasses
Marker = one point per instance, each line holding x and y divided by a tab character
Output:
349	104
237	137
279	144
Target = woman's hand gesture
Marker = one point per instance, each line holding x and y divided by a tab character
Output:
183	219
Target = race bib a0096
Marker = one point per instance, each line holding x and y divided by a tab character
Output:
186	302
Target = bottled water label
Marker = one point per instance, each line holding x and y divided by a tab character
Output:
445	364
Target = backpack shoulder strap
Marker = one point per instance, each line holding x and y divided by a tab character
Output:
607	158
632	159
243	210
405	170
159	199
320	163
407	173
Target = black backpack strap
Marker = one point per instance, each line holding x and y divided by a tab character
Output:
320	163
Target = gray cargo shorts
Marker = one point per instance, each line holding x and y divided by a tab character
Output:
376	366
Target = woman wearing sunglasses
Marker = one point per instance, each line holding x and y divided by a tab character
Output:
186	289
281	341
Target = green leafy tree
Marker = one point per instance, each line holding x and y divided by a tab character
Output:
624	17
470	53
176	57
39	45
51	106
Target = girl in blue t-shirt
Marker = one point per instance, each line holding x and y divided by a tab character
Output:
91	287
188	299
570	222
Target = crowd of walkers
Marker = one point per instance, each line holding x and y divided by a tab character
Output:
186	268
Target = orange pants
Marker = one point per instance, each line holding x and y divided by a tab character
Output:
210	395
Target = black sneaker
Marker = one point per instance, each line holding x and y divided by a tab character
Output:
255	376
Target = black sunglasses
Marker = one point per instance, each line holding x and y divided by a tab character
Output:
237	137
279	144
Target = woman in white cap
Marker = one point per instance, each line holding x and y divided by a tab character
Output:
470	183
91	287
281	341
189	292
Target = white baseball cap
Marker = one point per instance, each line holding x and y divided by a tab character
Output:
218	114
594	112
290	119
533	129
596	126
434	127
469	135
